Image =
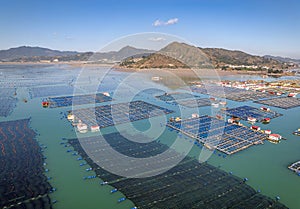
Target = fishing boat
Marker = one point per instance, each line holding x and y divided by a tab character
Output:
251	119
297	132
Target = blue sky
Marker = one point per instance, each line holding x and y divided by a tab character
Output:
255	26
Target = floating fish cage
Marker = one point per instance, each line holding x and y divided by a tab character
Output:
168	97
22	179
77	100
191	103
282	102
218	134
246	112
7	104
295	167
189	184
47	91
122	113
235	94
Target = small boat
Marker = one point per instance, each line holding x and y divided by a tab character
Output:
113	190
177	119
71	117
251	119
223	103
121	199
297	132
195	115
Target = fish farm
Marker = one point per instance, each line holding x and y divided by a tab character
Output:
138	110
46	91
23	184
189	184
235	94
8	101
175	96
218	134
244	112
195	102
66	101
295	167
282	102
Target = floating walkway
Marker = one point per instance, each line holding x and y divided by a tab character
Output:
65	101
244	112
22	179
235	94
218	134
109	115
282	102
187	185
295	167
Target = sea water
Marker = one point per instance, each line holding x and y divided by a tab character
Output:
264	165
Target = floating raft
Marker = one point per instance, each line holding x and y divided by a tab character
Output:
235	94
187	185
218	134
23	184
282	102
244	112
77	100
109	115
168	97
295	167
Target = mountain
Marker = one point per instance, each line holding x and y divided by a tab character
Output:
283	59
222	57
26	52
196	57
123	53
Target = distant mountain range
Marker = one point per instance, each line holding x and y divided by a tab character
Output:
174	55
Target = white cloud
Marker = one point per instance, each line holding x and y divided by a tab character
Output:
169	22
157	39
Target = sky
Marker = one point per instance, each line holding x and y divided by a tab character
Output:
255	26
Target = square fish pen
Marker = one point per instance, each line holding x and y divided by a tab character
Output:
214	133
282	102
167	97
243	112
46	91
235	94
189	184
22	179
109	115
65	101
195	102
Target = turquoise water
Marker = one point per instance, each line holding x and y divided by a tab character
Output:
264	165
